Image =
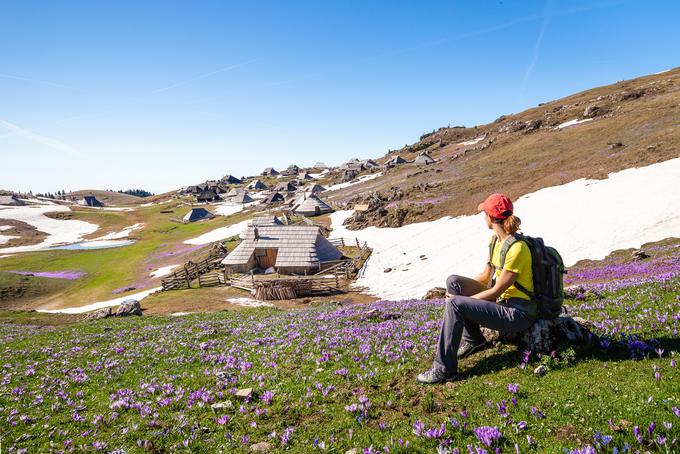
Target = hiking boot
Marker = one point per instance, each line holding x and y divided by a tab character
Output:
435	376
468	348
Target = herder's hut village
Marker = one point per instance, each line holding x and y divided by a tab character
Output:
441	227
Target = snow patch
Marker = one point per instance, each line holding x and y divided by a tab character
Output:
249	302
102	304
316	176
227	209
5	227
219	234
473	141
335	187
581	219
163	271
59	231
573	122
122	234
5	238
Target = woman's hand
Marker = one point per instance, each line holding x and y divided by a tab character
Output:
505	280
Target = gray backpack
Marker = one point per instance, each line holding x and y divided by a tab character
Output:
547	269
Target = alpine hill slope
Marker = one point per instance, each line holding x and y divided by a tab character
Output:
628	124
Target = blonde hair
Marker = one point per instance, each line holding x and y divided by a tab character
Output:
510	224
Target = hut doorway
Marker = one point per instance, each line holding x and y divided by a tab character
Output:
265	257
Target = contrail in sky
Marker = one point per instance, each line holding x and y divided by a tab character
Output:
39	139
35	81
203	76
537	45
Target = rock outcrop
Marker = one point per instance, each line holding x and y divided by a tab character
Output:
545	336
129	307
435	293
99	314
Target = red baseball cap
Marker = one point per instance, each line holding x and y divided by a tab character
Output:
497	206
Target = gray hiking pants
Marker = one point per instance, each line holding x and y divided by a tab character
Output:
463	317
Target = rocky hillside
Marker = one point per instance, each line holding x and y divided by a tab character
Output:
587	135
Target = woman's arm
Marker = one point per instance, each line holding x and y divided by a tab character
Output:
505	280
484	276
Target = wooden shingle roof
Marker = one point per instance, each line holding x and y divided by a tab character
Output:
312	206
297	246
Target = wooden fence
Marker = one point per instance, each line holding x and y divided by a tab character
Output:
332	277
197	270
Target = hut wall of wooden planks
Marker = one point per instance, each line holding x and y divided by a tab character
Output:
291	288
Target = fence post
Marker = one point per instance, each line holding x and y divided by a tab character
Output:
358	244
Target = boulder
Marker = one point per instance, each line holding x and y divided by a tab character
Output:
435	293
639	255
99	314
540	370
533	125
512	126
591	111
245	393
263	446
545	336
129	307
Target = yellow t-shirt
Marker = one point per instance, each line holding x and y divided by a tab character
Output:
517	260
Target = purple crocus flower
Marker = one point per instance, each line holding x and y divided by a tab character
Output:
267	397
637	433
651	428
487	435
222	420
285	436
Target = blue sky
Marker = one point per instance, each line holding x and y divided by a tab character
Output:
162	94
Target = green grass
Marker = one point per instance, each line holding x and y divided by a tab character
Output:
201	359
113	268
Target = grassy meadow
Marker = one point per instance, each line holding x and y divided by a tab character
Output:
331	378
159	243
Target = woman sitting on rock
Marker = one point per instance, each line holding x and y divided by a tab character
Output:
471	303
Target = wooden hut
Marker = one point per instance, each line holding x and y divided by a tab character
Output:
292	170
264	220
233	192
230	179
312	206
285	186
424	159
90	201
395	161
288	249
369	164
198	214
256	185
242	197
207	195
10	200
314	189
274	197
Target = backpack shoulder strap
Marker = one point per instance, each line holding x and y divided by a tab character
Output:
492	245
507	244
